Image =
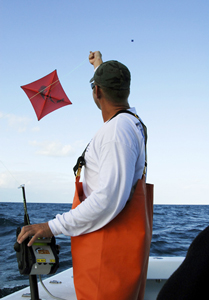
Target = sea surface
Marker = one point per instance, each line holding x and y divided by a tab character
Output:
174	228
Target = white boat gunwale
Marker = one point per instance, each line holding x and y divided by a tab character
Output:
159	270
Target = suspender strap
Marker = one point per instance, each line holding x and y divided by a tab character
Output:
135	115
145	134
81	161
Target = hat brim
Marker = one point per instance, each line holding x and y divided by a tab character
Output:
92	79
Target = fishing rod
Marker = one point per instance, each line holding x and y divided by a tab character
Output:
26	216
39	259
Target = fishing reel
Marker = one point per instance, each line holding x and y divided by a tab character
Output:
39	259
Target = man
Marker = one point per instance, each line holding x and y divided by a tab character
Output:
114	162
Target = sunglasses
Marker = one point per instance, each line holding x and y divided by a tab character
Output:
92	85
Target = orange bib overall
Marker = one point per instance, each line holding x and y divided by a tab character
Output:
111	263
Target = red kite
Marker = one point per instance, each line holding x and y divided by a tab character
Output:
46	94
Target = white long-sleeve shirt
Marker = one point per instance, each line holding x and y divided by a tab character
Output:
115	160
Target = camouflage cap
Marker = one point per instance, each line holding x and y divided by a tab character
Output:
112	74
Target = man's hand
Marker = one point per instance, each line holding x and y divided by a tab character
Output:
37	231
95	58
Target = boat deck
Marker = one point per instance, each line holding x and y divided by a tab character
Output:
159	270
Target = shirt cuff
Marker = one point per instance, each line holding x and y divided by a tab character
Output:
53	226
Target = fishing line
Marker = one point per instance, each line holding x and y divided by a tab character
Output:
57	298
22	186
23	191
10	172
53	83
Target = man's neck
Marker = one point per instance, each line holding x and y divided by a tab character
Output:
110	111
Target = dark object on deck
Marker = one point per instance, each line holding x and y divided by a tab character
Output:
190	280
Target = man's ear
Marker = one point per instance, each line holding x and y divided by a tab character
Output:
98	91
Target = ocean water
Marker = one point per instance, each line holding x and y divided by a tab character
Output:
174	228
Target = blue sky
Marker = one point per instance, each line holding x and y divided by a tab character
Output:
169	64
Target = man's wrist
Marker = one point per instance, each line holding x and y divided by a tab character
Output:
97	63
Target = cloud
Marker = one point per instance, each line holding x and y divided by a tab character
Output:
36	129
18	123
3	179
53	148
8	179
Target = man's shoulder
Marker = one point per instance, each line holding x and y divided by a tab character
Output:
121	129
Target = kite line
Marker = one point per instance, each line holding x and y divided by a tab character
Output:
57	81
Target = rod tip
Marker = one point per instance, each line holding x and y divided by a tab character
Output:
21	186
